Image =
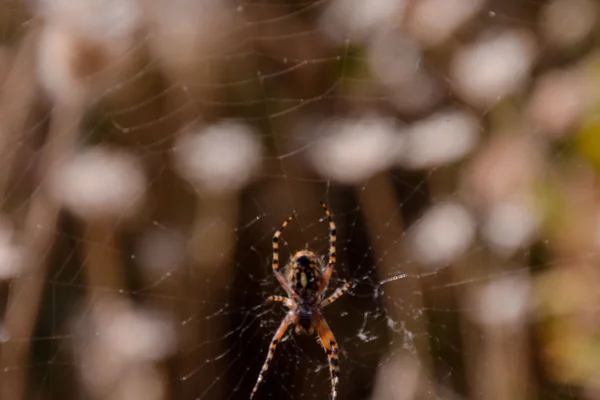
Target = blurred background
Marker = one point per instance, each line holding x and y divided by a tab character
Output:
149	149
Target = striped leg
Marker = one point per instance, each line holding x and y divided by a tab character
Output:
281	299
276	270
332	240
336	295
331	348
276	338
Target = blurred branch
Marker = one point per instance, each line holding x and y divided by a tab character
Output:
384	227
39	235
16	102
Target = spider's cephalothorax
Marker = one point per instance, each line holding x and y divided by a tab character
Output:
305	283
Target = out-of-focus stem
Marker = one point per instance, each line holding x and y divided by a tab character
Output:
212	248
501	373
496	357
39	236
104	272
16	101
496	354
385	229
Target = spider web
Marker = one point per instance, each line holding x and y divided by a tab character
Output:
141	270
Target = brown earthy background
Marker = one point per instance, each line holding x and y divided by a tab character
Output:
150	148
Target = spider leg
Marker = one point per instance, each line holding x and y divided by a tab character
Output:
331	348
276	338
332	253
276	270
281	299
336	295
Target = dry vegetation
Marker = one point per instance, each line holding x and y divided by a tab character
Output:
138	138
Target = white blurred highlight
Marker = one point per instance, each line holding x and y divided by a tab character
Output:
396	62
219	158
398	379
352	150
358	20
85	46
104	20
185	32
509	226
394	58
160	251
494	66
100	182
504	170
11	254
4	335
441	138
504	302
566	23
559	100
118	346
139	335
418	94
434	21
442	235
57	50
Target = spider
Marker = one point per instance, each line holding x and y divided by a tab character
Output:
305	283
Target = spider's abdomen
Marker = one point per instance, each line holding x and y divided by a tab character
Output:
305	276
304	319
